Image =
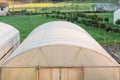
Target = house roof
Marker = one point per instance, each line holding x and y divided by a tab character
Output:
3	4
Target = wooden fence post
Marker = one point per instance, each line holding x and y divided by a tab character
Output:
115	47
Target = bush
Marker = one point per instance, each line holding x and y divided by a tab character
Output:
61	17
75	18
84	21
106	19
24	10
99	18
94	17
58	12
53	12
108	29
103	25
117	22
69	19
116	29
53	16
47	15
79	22
82	15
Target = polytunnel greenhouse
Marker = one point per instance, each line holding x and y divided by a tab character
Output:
116	15
9	40
59	50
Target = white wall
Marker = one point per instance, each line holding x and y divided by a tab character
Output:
4	11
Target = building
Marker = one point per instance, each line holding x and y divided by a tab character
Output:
116	15
3	8
106	6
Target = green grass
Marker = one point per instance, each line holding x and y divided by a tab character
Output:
25	24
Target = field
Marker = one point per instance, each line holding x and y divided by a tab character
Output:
50	7
25	24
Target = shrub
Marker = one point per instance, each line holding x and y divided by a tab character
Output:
61	17
24	10
96	24
47	15
53	11
88	22
116	29
58	12
79	22
99	18
94	17
64	17
57	16
84	21
106	19
78	14
53	16
117	22
108	29
103	25
75	18
69	19
82	15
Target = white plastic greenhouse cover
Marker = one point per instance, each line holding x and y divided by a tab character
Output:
59	44
116	15
9	40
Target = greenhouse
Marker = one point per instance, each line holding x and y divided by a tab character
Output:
116	15
59	50
9	40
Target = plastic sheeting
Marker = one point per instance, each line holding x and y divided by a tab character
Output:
59	44
60	51
9	40
116	15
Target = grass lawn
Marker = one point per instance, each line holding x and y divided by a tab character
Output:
25	24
